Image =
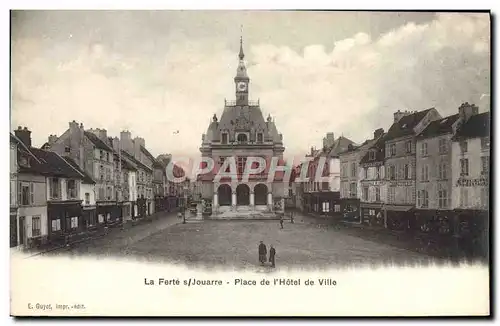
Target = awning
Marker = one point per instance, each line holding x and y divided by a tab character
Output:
398	208
371	205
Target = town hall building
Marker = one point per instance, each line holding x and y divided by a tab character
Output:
241	132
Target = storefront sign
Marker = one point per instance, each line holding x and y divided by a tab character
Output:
478	182
370	164
405	183
372	183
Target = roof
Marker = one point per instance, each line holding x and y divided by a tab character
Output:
477	126
439	127
86	177
126	164
134	161
97	141
340	145
148	154
379	147
50	163
405	125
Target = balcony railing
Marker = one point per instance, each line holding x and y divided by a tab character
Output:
233	103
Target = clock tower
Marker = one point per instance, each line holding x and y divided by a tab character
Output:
241	80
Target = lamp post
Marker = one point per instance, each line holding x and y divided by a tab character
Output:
185	204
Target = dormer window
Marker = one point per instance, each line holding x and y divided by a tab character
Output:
224	138
67	149
260	137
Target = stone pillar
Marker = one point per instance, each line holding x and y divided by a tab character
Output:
270	201
233	200
215	204
252	199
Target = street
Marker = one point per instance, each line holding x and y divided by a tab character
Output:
303	244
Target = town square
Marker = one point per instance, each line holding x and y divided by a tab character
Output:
229	151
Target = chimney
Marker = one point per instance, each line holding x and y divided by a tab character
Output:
377	133
24	135
116	144
328	140
398	115
466	110
126	141
52	139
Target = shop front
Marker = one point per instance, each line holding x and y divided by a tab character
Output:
399	217
372	214
65	219
350	210
107	214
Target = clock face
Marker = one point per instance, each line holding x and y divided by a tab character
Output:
242	86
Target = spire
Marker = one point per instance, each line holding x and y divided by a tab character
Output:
241	55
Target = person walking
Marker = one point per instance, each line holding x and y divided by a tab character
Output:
291	217
281	221
272	254
262	253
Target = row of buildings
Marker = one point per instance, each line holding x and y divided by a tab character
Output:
81	181
424	172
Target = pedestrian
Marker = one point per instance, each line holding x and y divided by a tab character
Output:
291	217
272	254
262	253
281	221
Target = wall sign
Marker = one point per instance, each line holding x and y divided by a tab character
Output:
478	182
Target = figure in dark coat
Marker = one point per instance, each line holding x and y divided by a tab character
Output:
262	253
281	221
272	254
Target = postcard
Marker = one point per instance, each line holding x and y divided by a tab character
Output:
250	163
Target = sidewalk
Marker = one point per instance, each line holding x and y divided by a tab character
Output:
126	233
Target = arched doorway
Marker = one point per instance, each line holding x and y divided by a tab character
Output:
224	195
260	193
243	195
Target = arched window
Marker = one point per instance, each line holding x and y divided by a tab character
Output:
242	138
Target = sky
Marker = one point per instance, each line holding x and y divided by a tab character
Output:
163	74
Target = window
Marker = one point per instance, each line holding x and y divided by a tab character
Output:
67	149
442	170
407	174
485	143
424	176
101	193
74	222
352	189
371	155
409	195
423	198
377	194
365	193
260	137
443	146
108	193
442	198
391	172
92	219
423	149
56	225
353	169
71	190
55	188
108	217
224	138
391	193
463	146
336	208
485	200
378	171
36	226
241	162
408	146
464	166
326	207
101	155
107	157
87	198
101	218
464	197
485	164
365	174
392	149
26	194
